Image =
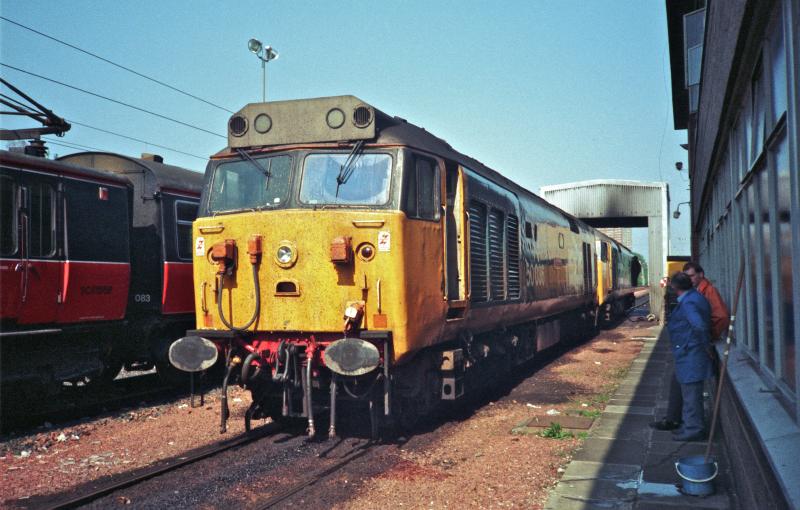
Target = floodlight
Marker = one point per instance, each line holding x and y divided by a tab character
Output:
254	45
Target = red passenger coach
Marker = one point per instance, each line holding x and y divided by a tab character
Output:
95	265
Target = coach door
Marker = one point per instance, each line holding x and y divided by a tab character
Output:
454	246
40	265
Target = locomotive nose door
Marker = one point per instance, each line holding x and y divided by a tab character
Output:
455	283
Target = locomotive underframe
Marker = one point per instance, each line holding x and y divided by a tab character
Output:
288	378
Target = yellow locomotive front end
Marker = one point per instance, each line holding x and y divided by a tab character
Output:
300	249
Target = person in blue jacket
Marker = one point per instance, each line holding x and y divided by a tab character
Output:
689	333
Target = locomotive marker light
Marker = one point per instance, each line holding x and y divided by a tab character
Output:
265	54
286	254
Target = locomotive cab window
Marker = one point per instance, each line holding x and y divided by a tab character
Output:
422	189
185	214
262	183
8	216
346	179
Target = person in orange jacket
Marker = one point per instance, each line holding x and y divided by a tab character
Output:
720	319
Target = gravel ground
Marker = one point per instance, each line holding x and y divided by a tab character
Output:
465	457
54	459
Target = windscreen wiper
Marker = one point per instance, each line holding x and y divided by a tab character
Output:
346	169
253	162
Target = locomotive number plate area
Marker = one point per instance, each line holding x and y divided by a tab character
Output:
384	241
200	247
192	354
352	356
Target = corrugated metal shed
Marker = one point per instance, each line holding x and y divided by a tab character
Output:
620	203
607	198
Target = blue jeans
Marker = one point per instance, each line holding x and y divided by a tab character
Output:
692	412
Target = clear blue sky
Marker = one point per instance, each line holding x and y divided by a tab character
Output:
544	92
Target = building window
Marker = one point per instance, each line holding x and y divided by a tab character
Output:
693	33
8	216
777	58
784	278
185	214
753	225
766	260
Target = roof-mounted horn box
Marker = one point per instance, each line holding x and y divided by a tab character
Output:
324	119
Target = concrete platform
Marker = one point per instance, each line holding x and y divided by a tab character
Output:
625	464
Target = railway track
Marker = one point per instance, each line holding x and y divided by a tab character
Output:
356	452
95	493
130	479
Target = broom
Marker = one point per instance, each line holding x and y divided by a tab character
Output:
724	365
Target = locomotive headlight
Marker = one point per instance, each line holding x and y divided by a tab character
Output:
286	254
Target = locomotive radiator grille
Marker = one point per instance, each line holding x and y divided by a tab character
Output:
512	236
497	264
477	251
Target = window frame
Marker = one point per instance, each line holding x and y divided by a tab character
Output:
179	222
15	187
53	218
437	192
301	171
212	182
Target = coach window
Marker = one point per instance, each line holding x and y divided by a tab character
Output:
422	189
41	211
185	214
8	216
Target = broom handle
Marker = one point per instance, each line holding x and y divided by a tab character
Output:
724	365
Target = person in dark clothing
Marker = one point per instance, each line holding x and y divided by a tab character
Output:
636	270
688	330
718	325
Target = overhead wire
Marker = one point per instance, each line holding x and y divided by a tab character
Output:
72	145
115	64
75	122
116	101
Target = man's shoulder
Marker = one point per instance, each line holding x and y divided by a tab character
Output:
707	289
697	297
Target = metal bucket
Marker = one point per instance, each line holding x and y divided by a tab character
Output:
698	474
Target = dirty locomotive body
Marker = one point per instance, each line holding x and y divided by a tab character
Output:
343	254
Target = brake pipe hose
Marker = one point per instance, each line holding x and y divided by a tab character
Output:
257	310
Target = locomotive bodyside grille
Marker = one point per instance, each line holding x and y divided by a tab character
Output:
477	251
512	236
496	255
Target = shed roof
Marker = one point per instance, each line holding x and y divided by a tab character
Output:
59	167
165	176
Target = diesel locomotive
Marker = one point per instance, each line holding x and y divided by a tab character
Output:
95	266
341	253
